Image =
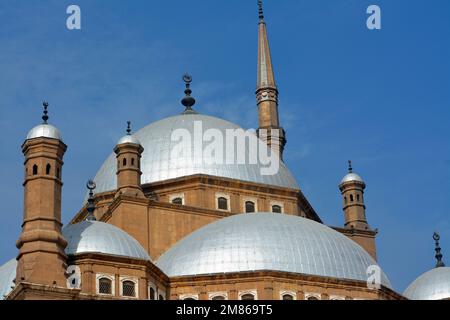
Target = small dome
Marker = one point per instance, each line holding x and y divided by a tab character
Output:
7	276
95	236
352	177
267	241
83	237
128	139
432	285
44	131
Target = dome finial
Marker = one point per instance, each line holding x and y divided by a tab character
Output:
45	115
129	128
91	206
438	256
260	11
188	101
350	167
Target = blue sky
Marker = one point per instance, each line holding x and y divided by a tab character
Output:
380	98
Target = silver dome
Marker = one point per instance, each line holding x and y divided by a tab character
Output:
157	164
83	237
267	241
44	131
351	177
128	139
432	285
7	276
95	236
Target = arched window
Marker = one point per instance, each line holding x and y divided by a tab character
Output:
124	162
104	286
249	206
222	203
351	198
357	197
161	297
312	298
288	296
276	209
345	200
128	288
152	294
58	173
132	161
48	167
248	296
218	295
35	170
178	201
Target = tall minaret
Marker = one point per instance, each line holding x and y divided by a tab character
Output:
267	93
41	258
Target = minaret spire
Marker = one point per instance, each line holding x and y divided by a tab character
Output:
267	92
439	262
266	77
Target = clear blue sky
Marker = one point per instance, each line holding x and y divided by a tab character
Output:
380	98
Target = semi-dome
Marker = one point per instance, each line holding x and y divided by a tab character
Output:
7	276
44	131
352	177
267	241
95	236
158	164
432	285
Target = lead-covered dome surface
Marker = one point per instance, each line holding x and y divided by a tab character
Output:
267	241
44	131
129	138
7	276
432	285
351	177
95	236
83	237
157	164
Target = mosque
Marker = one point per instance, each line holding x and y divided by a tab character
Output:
161	225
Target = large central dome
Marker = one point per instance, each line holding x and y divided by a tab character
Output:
157	164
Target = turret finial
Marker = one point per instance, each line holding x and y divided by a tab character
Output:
188	101
91	206
350	167
129	128
438	256
260	10
45	115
